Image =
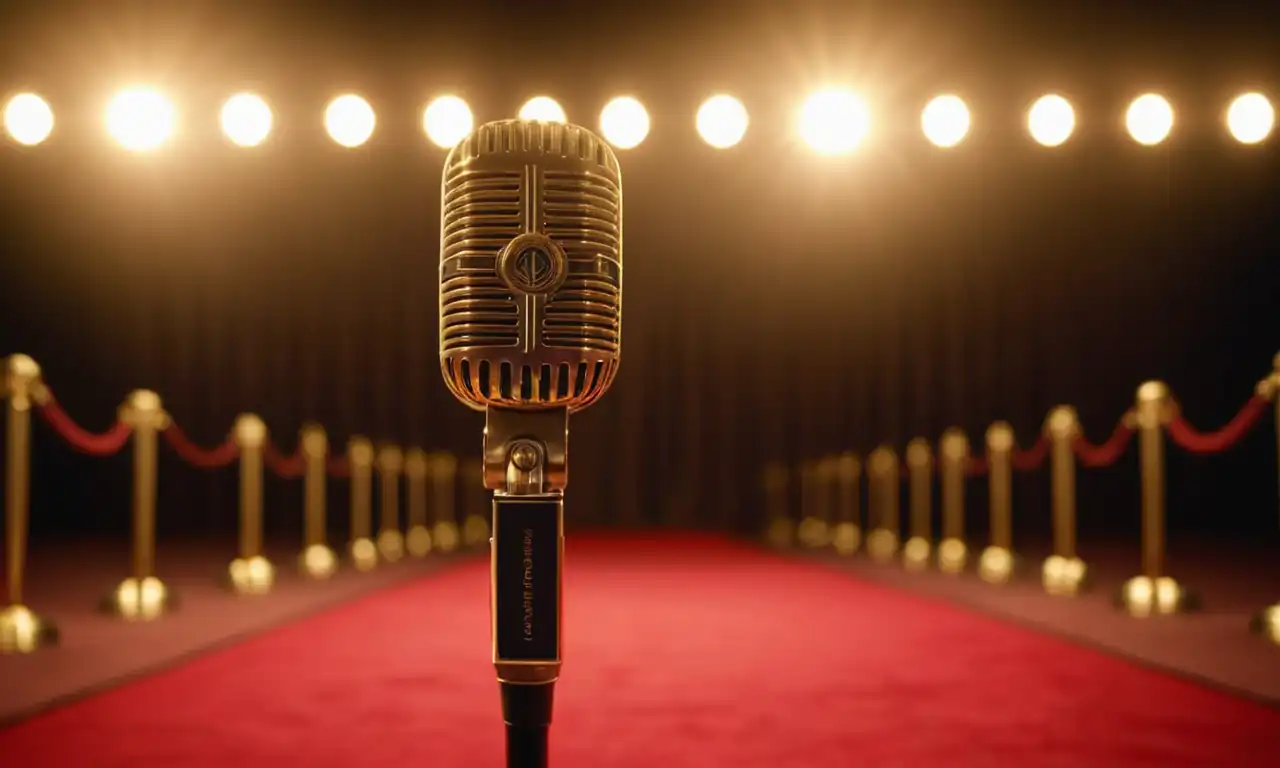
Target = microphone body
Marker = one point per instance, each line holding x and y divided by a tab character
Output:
530	331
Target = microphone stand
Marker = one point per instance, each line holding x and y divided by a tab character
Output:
525	465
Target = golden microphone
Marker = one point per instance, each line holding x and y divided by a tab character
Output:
530	332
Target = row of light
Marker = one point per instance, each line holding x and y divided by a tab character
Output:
831	122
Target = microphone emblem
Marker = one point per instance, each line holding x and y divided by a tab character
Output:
532	264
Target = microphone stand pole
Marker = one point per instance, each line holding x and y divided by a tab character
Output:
525	465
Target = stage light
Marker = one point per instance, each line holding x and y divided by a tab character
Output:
349	120
1149	119
1051	120
945	121
722	121
834	122
246	120
624	122
28	119
1251	118
543	108
447	120
140	119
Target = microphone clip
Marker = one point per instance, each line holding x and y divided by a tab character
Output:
526	452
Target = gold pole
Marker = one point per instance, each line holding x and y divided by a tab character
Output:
1152	591
21	630
919	547
1064	572
813	525
475	526
953	553
781	530
995	566
317	561
390	461
1268	620
848	534
360	456
444	469
143	595
418	537
882	542
824	489
251	573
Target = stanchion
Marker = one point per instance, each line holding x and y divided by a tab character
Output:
143	596
918	550
417	538
21	629
1267	622
882	542
444	481
475	526
318	560
995	565
781	530
1064	573
390	462
953	553
251	573
364	554
848	531
813	527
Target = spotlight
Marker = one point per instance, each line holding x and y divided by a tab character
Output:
945	121
624	122
447	121
1250	118
246	120
543	108
1149	119
834	122
140	119
1051	120
28	119
349	120
722	121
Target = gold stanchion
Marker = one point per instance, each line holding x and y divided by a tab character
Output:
417	538
364	554
21	630
444	481
475	526
1267	622
390	462
953	553
143	595
318	560
995	565
882	542
781	530
251	573
1153	592
813	527
919	547
848	531
1064	573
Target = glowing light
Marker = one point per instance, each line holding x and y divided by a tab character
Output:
543	108
916	553
952	555
28	119
251	576
847	538
1251	118
447	120
246	120
834	122
1051	120
349	120
1149	119
318	561
722	121
140	119
624	122
1144	596
995	566
945	121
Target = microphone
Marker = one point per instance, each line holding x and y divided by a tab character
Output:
530	332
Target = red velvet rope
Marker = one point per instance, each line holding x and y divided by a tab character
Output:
283	466
1106	454
338	466
197	456
1188	439
976	466
106	443
1031	458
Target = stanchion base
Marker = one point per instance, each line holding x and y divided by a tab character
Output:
446	536
781	533
846	539
318	562
140	600
391	546
1267	623
418	541
22	631
475	530
1064	576
813	533
916	554
364	554
251	575
1144	596
882	545
953	555
996	565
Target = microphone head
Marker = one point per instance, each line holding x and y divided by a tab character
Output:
530	266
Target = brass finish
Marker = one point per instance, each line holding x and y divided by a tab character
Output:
417	538
781	529
848	530
1063	573
919	547
953	553
549	429
143	595
995	566
444	483
364	553
390	464
251	573
318	560
813	526
882	542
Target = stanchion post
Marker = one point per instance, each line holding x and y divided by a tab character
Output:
995	565
919	547
812	533
143	595
953	552
1267	622
318	560
364	553
417	538
251	573
882	542
21	630
848	530
1064	573
781	528
444	482
475	526
390	463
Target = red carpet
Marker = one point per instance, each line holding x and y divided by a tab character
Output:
681	653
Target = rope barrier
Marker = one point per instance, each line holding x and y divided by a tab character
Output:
977	466
107	443
1030	459
197	456
338	466
1191	440
1105	454
287	467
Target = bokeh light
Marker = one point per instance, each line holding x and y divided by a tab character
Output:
543	108
624	122
1051	120
349	120
447	120
834	122
1251	118
722	121
28	119
246	120
1149	119
945	121
140	119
